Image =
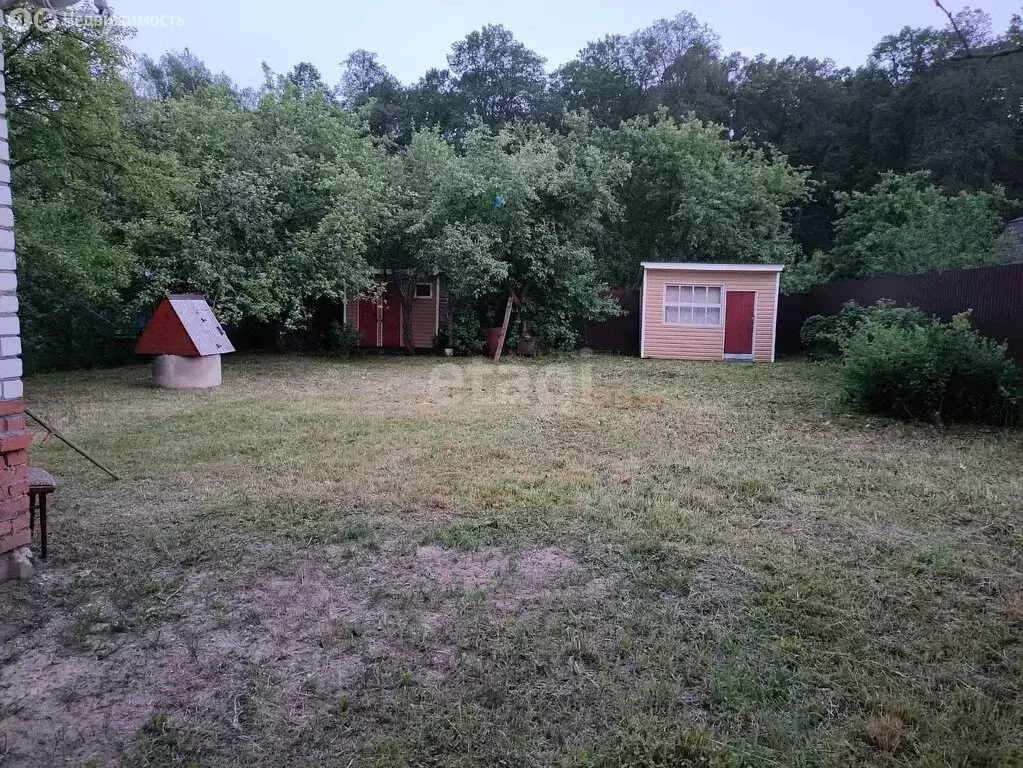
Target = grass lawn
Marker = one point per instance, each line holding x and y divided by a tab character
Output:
604	562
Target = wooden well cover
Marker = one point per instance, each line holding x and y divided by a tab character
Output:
185	326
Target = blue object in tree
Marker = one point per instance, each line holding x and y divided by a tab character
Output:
499	201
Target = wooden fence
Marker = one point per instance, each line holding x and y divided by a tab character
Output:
994	294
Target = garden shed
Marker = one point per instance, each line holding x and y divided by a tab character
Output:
382	321
187	342
709	311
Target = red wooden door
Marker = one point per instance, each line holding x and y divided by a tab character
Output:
392	316
739	322
368	323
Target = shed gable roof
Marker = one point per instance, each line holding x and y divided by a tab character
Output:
700	267
184	325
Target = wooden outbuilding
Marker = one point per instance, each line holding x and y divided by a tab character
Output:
382	322
709	311
187	341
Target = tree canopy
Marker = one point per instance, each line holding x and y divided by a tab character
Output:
695	195
905	224
136	176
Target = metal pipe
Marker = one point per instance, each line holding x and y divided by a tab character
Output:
53	431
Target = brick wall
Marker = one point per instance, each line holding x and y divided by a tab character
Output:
14	438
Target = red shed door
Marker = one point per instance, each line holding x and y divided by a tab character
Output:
368	323
392	316
739	322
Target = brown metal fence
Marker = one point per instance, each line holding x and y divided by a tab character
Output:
994	294
793	309
619	334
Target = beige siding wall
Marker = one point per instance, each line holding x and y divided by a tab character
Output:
673	342
352	312
424	319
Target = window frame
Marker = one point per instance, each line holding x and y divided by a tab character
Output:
428	284
690	305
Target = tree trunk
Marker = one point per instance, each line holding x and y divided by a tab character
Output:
407	288
280	337
451	324
504	327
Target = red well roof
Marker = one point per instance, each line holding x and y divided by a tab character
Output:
186	326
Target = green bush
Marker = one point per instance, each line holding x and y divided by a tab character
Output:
467	336
827	336
343	340
938	371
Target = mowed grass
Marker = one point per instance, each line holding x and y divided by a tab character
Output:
589	562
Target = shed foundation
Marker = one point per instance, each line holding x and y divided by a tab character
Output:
177	372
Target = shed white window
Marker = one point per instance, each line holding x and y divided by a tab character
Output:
692	305
424	290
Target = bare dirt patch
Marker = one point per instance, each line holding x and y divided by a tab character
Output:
545	577
246	645
61	706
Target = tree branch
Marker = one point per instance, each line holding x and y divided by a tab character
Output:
25	39
968	52
100	160
955	27
986	56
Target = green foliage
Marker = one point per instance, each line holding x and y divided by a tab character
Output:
514	214
947	116
491	61
829	335
694	195
555	318
811	111
803	275
467	337
905	225
673	62
85	194
510	181
343	339
287	199
939	371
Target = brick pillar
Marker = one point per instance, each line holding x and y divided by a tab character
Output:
14	438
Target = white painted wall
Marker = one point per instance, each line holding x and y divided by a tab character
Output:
10	330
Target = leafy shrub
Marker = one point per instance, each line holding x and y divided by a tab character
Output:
343	339
801	276
467	336
938	371
63	329
827	336
905	225
557	323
